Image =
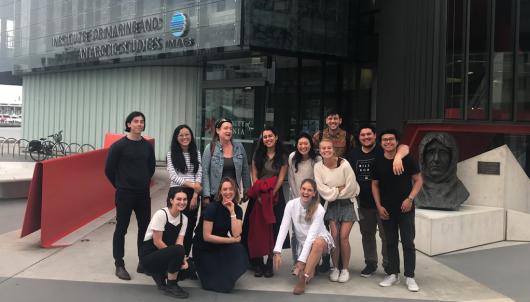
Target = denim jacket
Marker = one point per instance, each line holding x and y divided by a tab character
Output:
212	168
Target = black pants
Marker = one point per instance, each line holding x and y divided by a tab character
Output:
400	224
166	260
192	220
126	203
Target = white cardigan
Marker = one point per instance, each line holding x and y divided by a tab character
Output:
328	180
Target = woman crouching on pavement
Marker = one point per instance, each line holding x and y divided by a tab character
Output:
162	252
306	216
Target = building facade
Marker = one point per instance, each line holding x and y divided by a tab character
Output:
404	64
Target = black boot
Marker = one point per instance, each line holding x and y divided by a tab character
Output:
258	266
268	273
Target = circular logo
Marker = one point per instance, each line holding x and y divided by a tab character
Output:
179	25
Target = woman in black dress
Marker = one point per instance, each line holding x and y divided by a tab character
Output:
220	259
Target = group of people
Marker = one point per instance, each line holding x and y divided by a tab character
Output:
332	184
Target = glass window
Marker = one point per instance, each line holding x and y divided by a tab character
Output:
282	110
311	95
478	61
454	83
523	68
502	80
245	68
236	104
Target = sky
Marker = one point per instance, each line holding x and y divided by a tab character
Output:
10	93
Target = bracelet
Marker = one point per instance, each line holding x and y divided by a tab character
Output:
233	216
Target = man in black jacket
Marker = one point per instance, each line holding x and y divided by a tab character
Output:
129	167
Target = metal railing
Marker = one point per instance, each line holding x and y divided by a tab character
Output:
20	147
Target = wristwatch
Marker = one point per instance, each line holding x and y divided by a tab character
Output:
410	198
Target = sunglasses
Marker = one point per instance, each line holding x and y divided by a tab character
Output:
220	122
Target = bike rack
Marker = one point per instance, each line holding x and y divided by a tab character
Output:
89	146
15	147
8	141
19	147
74	148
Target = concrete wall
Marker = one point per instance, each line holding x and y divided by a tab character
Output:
87	104
510	190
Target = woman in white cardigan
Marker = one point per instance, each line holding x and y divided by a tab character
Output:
306	216
336	183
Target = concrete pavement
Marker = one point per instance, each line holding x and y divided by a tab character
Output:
84	271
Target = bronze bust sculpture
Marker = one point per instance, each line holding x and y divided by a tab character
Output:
441	187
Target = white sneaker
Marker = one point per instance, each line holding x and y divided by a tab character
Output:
411	284
334	275
389	280
344	276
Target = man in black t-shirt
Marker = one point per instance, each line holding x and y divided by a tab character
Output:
361	159
129	167
394	196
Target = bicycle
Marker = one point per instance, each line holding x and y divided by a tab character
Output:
45	148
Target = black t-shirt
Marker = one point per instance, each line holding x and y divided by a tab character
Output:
362	164
394	188
222	224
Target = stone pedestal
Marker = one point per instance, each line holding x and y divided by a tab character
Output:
517	226
439	232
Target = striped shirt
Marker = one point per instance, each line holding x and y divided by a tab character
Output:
177	178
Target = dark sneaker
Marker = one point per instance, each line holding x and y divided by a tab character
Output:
368	271
325	266
122	273
173	289
160	281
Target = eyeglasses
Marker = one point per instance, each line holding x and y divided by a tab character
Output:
390	139
220	122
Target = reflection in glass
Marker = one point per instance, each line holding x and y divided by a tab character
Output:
502	80
454	83
523	67
478	64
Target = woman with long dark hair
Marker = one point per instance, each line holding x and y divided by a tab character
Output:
305	215
185	171
269	168
219	256
223	158
301	163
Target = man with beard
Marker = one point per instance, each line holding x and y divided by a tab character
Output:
361	159
341	139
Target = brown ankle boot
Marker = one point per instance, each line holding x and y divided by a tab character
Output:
300	285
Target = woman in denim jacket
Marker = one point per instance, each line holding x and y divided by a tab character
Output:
223	158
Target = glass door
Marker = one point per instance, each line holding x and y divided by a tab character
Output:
241	105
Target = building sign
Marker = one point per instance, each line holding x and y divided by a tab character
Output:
179	25
489	167
151	28
112	32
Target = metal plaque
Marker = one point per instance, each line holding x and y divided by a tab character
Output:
489	167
